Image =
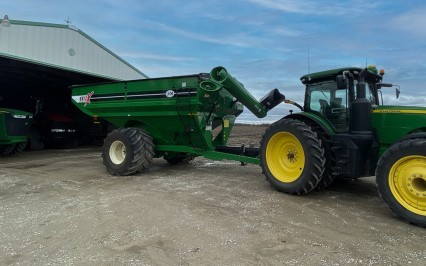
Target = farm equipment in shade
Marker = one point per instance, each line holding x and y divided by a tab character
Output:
14	129
343	130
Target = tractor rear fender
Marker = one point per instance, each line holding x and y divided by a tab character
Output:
309	119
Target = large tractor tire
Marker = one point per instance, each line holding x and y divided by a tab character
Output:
401	180
292	158
127	151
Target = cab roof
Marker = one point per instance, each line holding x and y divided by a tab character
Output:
327	74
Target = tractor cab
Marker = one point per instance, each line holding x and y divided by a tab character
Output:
331	93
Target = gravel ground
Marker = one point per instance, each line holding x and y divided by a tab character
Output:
60	207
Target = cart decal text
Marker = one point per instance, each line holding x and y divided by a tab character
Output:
86	98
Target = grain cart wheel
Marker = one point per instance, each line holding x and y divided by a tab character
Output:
127	151
401	180
292	158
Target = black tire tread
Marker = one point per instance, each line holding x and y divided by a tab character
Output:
330	162
147	155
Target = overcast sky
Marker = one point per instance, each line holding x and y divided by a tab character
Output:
263	43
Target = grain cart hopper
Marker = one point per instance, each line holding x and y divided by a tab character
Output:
177	118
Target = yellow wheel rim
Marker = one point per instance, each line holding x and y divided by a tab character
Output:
285	157
117	152
407	181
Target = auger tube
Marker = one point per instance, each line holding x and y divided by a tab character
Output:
220	75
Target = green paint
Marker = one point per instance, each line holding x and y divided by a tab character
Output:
191	114
14	126
394	122
390	123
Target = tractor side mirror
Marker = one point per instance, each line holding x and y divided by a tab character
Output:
341	82
389	85
384	85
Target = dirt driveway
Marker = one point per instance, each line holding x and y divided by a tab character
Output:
61	207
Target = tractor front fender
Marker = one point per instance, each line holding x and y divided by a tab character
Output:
419	135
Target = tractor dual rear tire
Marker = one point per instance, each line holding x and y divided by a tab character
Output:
127	151
401	180
292	157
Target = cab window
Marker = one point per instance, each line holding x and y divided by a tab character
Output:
331	103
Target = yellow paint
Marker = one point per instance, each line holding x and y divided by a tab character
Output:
285	157
226	123
396	111
407	182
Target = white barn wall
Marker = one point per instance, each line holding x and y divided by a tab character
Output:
63	47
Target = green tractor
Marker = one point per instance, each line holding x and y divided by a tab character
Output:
344	130
14	129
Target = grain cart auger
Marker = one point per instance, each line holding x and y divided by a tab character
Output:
344	130
177	118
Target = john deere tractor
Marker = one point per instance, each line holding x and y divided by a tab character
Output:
344	130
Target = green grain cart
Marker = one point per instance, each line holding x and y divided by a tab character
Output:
343	130
14	129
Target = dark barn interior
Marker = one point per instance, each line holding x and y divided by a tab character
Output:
44	91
